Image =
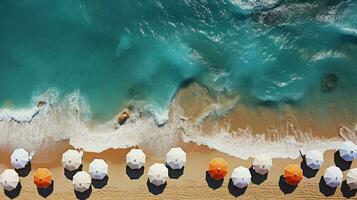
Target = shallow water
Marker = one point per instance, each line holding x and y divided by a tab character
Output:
98	57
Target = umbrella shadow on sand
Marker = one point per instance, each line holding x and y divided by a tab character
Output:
325	189
134	173
14	193
346	190
257	178
45	192
285	187
101	183
24	171
69	174
155	190
235	191
83	195
213	183
307	171
175	173
341	163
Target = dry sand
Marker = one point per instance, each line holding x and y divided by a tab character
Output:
191	185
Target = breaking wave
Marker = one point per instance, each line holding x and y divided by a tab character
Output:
68	120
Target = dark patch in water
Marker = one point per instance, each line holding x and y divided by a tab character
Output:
329	83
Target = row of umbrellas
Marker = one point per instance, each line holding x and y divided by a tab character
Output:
176	159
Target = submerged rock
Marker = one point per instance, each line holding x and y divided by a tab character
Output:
329	82
41	103
123	116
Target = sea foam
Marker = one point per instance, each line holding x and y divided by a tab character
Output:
68	121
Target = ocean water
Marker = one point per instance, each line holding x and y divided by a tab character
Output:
99	56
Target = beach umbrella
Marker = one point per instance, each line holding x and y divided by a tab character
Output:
135	159
352	178
9	179
348	151
42	178
293	174
20	158
333	176
262	164
158	174
241	177
217	168
72	160
98	169
81	181
176	158
314	159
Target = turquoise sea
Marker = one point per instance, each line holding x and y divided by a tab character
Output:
269	52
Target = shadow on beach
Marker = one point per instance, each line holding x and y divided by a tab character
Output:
155	190
99	184
325	189
24	171
285	187
342	164
213	183
134	173
307	171
69	174
257	178
45	192
234	191
15	192
346	191
83	195
175	173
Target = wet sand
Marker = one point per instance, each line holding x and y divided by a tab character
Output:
191	184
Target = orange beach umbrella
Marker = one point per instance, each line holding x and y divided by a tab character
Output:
217	168
42	178
293	174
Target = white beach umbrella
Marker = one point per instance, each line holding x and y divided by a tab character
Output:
135	159
262	164
158	174
314	159
9	179
72	160
20	158
348	151
98	169
81	181
176	158
352	178
241	177
333	176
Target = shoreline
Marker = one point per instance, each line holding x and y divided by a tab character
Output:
191	185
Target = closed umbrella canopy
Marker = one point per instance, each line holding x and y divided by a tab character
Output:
42	178
262	164
81	181
158	174
241	177
352	178
314	159
348	151
218	168
293	174
20	158
333	176
72	160
176	158
9	179
135	159
98	169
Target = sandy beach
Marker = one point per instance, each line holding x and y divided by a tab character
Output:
192	184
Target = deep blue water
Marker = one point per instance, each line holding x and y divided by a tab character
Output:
114	51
